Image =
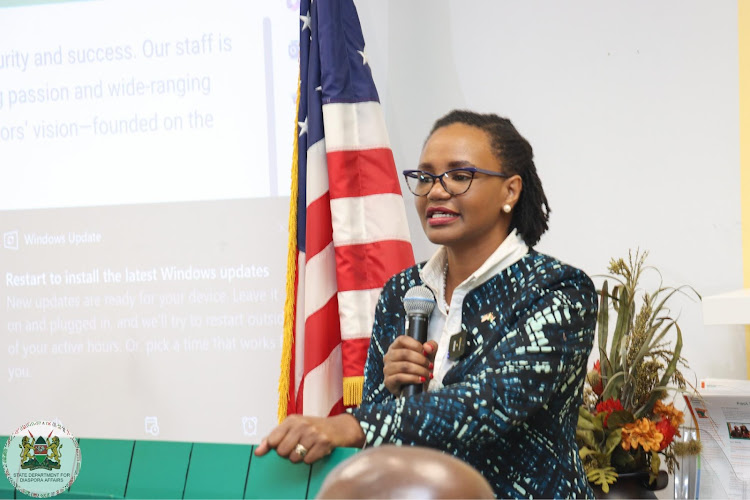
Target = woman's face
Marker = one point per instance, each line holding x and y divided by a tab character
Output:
473	220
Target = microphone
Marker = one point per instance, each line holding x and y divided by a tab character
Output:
419	303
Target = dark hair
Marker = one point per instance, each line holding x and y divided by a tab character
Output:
531	213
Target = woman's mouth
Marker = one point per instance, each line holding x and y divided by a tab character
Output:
440	217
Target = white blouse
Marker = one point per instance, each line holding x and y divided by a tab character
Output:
445	320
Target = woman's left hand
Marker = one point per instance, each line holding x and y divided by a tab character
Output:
308	439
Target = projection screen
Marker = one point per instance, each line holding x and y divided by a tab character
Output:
145	151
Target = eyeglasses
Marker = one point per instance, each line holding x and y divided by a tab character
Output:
455	182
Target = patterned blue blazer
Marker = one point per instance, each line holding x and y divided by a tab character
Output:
509	406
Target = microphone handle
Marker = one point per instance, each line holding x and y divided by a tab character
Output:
411	390
417	330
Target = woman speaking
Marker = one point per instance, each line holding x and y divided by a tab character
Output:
508	339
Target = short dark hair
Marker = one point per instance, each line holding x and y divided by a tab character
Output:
531	213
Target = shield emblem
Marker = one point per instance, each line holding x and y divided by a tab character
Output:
40	450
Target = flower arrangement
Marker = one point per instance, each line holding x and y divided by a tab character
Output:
624	424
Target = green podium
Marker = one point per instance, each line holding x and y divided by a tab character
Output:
163	469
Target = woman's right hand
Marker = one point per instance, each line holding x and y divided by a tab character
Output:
408	362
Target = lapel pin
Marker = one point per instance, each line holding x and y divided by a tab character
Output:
488	317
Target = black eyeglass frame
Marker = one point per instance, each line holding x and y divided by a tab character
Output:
410	174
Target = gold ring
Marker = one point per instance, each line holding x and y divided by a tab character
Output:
301	450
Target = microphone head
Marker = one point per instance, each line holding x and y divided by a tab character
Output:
419	300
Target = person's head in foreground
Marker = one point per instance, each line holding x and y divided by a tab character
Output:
391	471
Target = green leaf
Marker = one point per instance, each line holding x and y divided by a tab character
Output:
621	328
619	419
613	441
586	452
655	465
655	462
618	353
623	460
661	305
668	372
583	413
603	476
586	425
603	330
613	385
650	343
586	438
616	296
588	421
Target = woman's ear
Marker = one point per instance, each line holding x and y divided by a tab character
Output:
513	188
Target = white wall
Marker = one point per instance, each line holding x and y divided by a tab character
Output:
631	107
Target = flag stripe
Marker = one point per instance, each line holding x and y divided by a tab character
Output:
323	387
352	305
361	173
320	228
355	126
354	354
361	267
320	280
317	171
354	220
322	333
298	366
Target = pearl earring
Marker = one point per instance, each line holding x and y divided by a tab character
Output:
507	208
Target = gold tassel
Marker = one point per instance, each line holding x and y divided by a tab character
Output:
291	272
353	390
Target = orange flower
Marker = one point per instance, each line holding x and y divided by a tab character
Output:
675	416
642	433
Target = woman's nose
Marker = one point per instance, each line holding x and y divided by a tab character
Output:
438	191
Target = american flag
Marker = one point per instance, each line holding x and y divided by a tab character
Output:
347	212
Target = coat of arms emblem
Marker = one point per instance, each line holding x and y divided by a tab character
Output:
40	453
